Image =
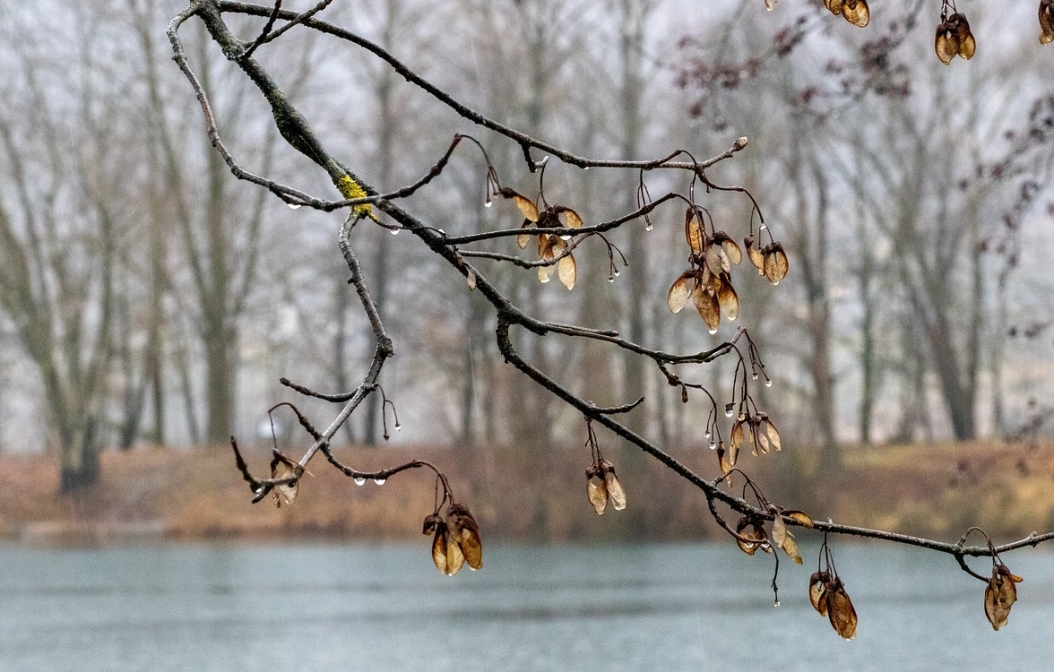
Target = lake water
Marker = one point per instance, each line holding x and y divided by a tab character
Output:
205	608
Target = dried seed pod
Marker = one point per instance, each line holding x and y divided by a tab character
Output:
835	6
527	207
755	254
727	298
856	12
693	230
840	609
548	247
801	518
773	434
567	271
522	240
679	292
954	39
776	264
735	442
818	591
283	467
615	492
946	43
756	533
602	485
446	552
597	491
783	538
722	459
1046	21
730	247
708	306
760	437
1000	595
716	259
574	221
465	531
967	45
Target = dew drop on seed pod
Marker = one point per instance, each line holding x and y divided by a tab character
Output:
398	427
648	227
395	232
706	435
617	272
380	481
359	480
293	206
713	446
776	603
713	330
754	376
728	412
768	382
611	278
487	202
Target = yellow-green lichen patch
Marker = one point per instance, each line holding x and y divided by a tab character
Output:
350	189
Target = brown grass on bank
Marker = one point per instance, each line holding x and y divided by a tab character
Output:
936	490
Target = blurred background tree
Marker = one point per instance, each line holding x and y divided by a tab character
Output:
146	301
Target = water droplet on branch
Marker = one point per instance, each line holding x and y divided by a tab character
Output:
359	480
380	481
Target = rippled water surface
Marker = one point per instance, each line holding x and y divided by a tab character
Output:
207	608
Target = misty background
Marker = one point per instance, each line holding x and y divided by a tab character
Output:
147	297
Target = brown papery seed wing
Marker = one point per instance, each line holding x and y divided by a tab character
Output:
679	292
573	220
1046	22
567	271
708	306
526	206
615	492
597	490
731	248
755	254
800	517
817	589
946	44
840	610
693	231
728	299
856	12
